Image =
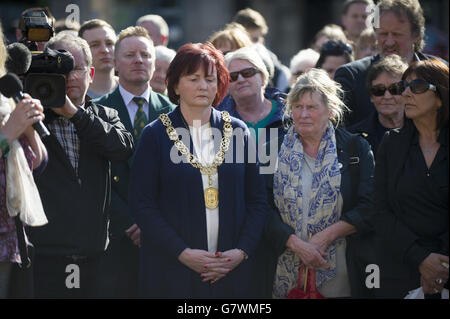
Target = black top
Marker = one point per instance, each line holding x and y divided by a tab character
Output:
371	129
409	216
423	194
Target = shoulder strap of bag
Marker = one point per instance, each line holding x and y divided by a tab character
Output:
23	249
354	167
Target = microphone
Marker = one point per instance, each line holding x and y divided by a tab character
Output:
11	86
19	58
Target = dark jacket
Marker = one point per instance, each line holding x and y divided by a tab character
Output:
167	201
76	206
401	249
229	105
357	208
371	129
120	170
353	78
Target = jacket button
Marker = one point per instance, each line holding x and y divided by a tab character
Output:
116	178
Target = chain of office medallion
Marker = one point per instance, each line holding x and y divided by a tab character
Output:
192	159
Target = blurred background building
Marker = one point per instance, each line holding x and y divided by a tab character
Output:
292	23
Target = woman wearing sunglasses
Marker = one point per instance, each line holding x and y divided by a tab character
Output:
385	94
259	107
199	202
411	188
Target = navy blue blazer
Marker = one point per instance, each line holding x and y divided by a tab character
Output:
167	202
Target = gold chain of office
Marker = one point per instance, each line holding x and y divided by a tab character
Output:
211	193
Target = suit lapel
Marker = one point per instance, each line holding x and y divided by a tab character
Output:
116	101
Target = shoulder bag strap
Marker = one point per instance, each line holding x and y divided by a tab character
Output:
23	249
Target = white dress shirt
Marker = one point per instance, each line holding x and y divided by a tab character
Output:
131	105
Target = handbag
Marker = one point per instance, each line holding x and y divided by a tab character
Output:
22	279
309	290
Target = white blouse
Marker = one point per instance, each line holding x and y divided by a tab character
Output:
204	150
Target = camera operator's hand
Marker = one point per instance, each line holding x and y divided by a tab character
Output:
68	110
27	112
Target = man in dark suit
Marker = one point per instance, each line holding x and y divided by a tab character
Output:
401	31
137	106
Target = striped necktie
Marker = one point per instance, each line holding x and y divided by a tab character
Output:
140	119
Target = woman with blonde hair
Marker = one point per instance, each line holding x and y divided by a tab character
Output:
320	193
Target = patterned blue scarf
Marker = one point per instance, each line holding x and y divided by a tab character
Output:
322	211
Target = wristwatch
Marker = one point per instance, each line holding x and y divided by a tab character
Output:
4	146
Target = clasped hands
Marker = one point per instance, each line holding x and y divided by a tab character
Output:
211	266
312	252
434	273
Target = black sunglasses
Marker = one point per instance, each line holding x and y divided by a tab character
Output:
417	86
246	73
379	90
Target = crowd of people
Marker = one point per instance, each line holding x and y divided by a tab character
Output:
214	171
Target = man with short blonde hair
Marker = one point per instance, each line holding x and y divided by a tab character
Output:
138	105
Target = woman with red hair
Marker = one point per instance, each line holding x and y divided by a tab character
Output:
195	189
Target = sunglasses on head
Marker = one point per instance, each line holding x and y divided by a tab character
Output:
246	73
336	47
417	86
379	90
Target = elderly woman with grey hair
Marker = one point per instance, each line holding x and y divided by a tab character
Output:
163	57
249	99
320	194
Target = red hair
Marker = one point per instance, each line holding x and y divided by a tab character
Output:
190	57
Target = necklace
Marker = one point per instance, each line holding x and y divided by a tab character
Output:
211	194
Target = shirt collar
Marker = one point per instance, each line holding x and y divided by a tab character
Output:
128	97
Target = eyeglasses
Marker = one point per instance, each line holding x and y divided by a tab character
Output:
417	86
246	73
336	46
379	90
78	72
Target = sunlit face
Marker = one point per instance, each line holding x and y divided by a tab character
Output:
101	42
332	63
134	60
310	115
394	36
245	87
300	68
79	79
197	89
421	105
387	105
354	21
158	81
